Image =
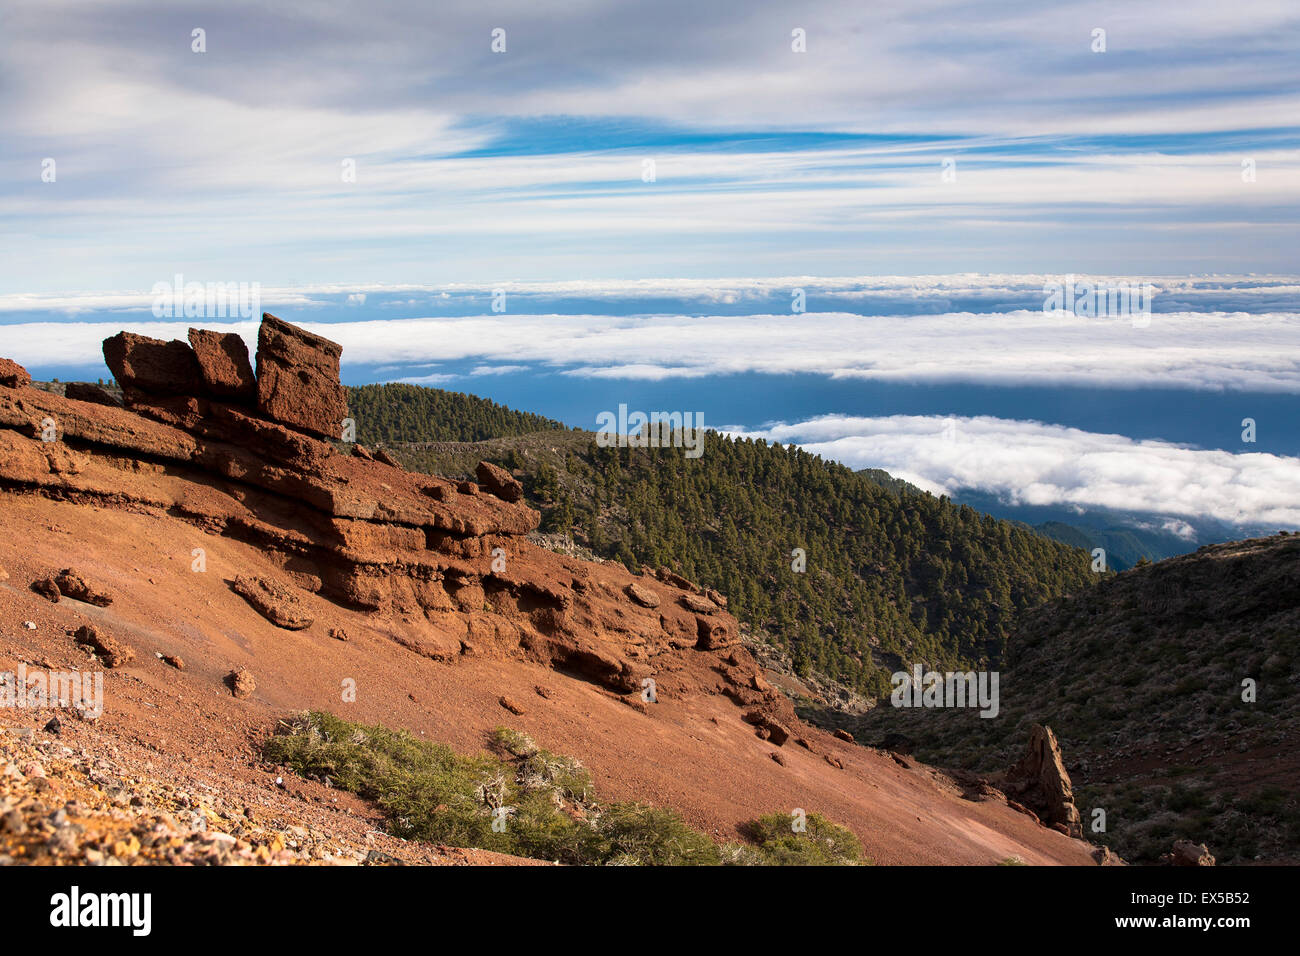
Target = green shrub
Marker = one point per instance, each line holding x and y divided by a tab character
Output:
822	843
634	834
430	793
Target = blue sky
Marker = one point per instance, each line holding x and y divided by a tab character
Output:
920	172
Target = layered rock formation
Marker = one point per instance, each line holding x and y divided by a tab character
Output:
1041	782
445	568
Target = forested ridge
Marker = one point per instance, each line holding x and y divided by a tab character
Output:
396	412
892	575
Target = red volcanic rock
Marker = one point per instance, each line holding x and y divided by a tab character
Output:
13	375
716	632
675	579
642	595
151	365
769	727
697	604
241	683
86	392
402	547
1187	853
499	482
112	651
1040	780
48	588
73	585
224	365
273	601
298	378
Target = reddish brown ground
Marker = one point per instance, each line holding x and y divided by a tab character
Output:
694	754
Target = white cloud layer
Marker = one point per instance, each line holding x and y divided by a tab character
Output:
1031	463
1256	350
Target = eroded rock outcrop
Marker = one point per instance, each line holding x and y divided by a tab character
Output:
224	365
1040	782
444	568
298	378
275	602
499	482
1187	853
73	585
108	648
13	375
152	366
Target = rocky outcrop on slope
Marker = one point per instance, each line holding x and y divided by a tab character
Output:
1187	853
444	568
1040	781
13	375
224	365
298	378
148	365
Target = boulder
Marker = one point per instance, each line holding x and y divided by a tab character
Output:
112	651
151	365
1187	853
95	394
298	379
1041	782
693	602
714	633
47	588
73	585
241	683
499	482
675	579
223	364
769	727
642	595
273	601
13	375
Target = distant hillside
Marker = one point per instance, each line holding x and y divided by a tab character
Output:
1141	678
387	414
1127	536
892	574
1124	547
